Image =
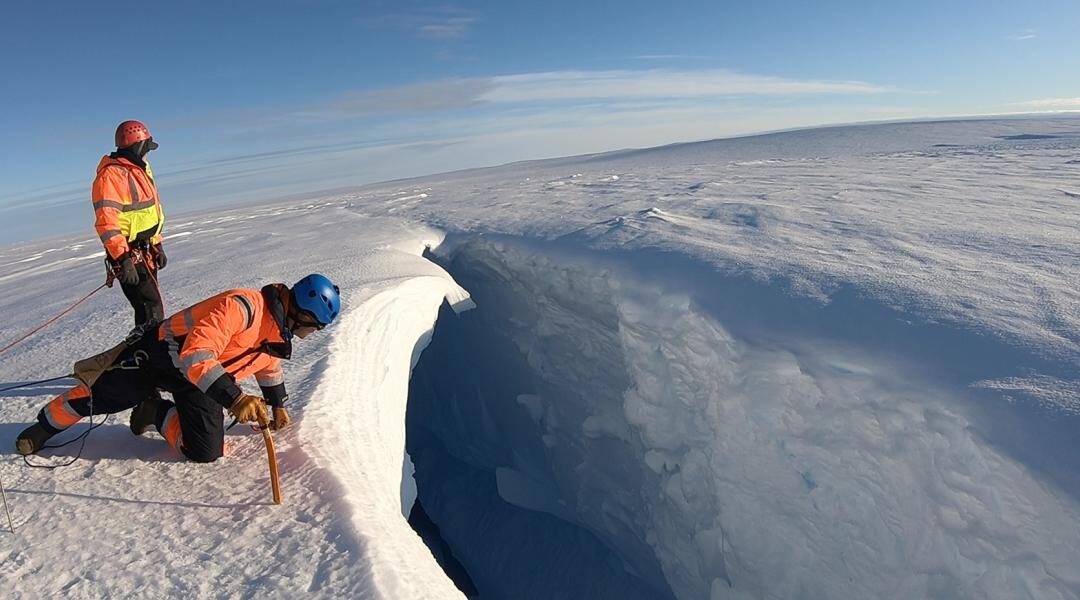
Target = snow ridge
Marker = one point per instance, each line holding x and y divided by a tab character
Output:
358	412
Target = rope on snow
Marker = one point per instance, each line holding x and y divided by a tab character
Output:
52	320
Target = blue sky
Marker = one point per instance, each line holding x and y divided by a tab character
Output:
259	100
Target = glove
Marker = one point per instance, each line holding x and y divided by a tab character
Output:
249	408
128	274
159	257
281	419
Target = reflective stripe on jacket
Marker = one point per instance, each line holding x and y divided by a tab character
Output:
126	206
230	336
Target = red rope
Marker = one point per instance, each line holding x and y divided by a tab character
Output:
52	320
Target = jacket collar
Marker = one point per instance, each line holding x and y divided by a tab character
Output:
131	157
114	161
272	295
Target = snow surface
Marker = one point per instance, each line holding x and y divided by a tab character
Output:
833	363
132	519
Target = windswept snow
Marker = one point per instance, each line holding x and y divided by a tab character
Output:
833	363
976	233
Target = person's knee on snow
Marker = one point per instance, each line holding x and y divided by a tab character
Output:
202	448
200	445
202	454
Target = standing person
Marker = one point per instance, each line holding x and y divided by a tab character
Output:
129	218
198	355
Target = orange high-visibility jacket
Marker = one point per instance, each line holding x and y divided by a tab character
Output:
126	206
230	336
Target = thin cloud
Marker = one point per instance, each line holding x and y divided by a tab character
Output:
439	24
1052	104
1027	34
670	57
584	86
432	96
449	28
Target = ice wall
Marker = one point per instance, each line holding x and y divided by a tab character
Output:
724	466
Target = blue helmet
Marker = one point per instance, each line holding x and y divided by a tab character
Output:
319	296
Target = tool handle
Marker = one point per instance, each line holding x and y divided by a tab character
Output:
271	457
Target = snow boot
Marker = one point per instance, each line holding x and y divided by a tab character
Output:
32	439
144	416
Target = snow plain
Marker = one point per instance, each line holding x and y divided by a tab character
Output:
832	363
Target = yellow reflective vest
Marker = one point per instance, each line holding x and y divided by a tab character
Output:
126	206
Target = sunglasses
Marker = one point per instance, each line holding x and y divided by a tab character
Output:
306	319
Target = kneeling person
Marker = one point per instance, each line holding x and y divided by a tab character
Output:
198	355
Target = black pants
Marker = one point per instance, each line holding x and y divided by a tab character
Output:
144	296
194	423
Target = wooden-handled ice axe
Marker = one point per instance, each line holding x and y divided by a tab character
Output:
271	457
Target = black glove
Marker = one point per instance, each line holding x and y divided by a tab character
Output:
159	257
128	274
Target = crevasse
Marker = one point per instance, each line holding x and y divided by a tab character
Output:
709	464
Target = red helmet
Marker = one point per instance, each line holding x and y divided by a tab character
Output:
131	132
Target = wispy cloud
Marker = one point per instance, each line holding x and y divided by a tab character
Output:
440	23
1052	104
587	86
1026	34
670	57
432	96
626	84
